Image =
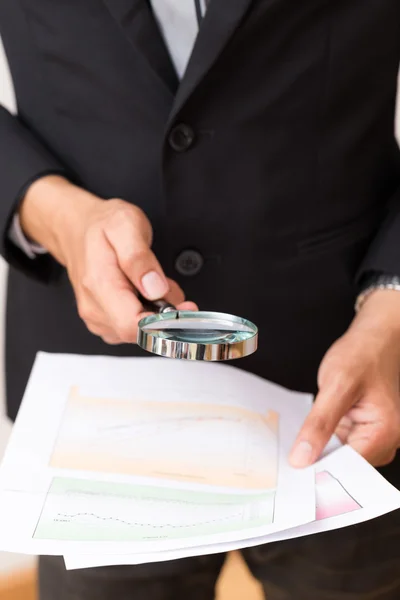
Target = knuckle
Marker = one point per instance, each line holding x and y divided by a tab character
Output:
123	212
88	282
111	340
131	259
387	459
128	220
385	438
133	215
119	219
379	442
84	311
132	210
115	202
392	432
93	328
339	376
320	424
344	381
395	421
390	423
92	278
383	458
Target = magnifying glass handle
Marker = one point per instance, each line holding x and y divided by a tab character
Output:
157	306
162	306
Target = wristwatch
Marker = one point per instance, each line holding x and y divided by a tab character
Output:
377	281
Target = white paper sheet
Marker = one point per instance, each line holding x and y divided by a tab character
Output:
140	455
348	491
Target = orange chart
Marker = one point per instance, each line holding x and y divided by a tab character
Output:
203	443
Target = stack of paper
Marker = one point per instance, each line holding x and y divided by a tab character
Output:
125	461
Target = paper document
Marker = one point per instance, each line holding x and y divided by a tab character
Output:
143	455
348	491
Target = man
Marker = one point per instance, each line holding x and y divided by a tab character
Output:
253	142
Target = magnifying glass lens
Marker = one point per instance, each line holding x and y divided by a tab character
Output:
201	330
197	335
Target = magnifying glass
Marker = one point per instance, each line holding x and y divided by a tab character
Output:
190	335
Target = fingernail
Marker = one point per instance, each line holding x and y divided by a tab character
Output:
154	285
301	455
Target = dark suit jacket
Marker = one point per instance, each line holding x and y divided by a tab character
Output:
275	159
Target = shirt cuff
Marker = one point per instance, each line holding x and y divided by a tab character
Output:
18	238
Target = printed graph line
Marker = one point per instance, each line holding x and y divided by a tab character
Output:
150	525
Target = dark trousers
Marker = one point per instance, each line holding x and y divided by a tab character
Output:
356	563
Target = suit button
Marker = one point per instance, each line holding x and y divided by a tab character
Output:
189	263
181	137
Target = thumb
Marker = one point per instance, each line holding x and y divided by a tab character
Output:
329	407
137	261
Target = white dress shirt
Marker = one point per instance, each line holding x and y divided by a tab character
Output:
179	22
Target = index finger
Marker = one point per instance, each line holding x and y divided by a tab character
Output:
331	404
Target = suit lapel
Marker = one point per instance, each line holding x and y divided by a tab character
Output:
137	22
220	22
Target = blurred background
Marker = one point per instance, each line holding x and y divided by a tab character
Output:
17	573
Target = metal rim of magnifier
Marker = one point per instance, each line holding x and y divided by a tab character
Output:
214	351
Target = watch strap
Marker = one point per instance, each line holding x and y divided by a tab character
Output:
377	281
